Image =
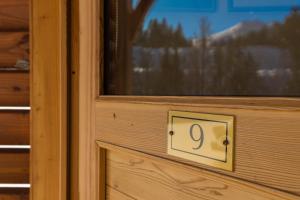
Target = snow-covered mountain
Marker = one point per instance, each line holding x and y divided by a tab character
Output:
238	30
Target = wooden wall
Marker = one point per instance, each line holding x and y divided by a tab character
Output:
14	93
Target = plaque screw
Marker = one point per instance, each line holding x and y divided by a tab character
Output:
226	142
171	133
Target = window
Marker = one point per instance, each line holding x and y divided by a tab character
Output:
202	47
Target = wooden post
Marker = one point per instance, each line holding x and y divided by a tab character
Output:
48	100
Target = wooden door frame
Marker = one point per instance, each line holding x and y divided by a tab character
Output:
87	59
48	124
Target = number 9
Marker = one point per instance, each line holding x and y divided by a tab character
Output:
201	138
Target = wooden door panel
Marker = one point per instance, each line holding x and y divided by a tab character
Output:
114	194
266	146
134	175
133	130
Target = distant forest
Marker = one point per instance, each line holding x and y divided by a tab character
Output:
168	63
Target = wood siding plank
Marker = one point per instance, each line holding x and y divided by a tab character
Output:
14	40
266	146
14	15
14	166
141	176
14	194
14	127
14	88
14	47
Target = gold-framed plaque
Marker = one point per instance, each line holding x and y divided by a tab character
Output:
203	138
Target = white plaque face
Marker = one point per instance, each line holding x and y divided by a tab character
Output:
202	138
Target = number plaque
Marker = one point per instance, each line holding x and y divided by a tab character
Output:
202	138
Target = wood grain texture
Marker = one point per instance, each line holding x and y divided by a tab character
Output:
88	91
10	58
12	40
101	173
14	197
14	88
14	46
74	112
266	147
14	194
14	166
14	127
48	138
268	103
14	15
141	176
113	194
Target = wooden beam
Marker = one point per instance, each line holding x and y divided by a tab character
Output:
14	127
14	88
87	71
48	162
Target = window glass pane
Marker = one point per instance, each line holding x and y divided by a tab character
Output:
202	47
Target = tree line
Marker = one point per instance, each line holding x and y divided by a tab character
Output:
223	68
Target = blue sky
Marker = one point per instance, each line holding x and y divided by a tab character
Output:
220	13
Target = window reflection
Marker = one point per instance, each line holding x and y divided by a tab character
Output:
202	47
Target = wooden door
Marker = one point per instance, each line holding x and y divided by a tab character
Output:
122	134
